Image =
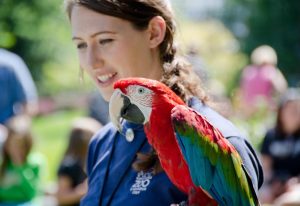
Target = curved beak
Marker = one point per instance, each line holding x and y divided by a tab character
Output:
120	107
115	107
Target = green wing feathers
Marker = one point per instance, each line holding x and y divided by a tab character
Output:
213	162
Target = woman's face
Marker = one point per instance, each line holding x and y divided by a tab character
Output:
110	48
290	116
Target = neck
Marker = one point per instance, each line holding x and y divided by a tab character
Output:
155	66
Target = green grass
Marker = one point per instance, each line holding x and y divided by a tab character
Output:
51	138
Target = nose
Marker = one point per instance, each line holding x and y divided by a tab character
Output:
94	57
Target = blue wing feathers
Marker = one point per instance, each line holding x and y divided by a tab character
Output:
194	155
209	166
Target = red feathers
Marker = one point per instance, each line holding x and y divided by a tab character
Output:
156	86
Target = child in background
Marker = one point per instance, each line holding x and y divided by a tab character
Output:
19	170
281	148
261	82
71	175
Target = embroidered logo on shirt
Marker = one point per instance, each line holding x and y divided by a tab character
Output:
141	182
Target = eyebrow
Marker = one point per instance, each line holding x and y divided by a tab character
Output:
95	34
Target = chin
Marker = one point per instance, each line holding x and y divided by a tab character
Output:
106	96
106	93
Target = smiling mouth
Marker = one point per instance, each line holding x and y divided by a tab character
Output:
106	77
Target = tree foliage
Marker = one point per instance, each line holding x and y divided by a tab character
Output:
36	30
272	22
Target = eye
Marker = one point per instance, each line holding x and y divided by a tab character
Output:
141	90
81	46
105	41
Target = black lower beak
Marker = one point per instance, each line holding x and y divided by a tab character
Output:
131	112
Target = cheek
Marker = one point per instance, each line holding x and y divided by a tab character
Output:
119	56
132	67
129	59
82	61
84	67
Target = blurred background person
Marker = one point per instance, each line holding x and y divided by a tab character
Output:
22	72
261	81
71	173
12	98
20	168
281	148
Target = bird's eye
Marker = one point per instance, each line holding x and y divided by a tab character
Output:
141	90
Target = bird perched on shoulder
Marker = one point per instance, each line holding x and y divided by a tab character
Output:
194	154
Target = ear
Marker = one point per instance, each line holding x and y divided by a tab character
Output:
157	31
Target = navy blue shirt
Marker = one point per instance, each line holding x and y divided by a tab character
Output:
11	93
113	181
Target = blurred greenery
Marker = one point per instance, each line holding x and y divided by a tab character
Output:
276	23
39	32
218	48
51	137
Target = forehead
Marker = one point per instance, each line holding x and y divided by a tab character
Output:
85	21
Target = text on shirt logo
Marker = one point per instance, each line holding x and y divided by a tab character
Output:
141	182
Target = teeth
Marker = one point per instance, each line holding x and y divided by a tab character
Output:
105	77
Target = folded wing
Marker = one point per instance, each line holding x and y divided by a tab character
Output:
213	162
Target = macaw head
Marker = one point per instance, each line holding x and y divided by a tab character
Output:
134	99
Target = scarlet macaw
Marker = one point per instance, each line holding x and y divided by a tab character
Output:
194	154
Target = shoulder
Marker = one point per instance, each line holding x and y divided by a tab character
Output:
11	59
70	167
226	127
35	163
101	142
70	162
269	68
9	76
36	159
270	135
105	134
234	136
249	70
6	70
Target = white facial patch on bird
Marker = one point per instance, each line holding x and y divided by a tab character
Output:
115	105
142	97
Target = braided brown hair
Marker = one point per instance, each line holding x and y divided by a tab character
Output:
178	75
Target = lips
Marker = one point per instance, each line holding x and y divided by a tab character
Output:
106	80
106	77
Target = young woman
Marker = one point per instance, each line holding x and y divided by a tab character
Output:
117	39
